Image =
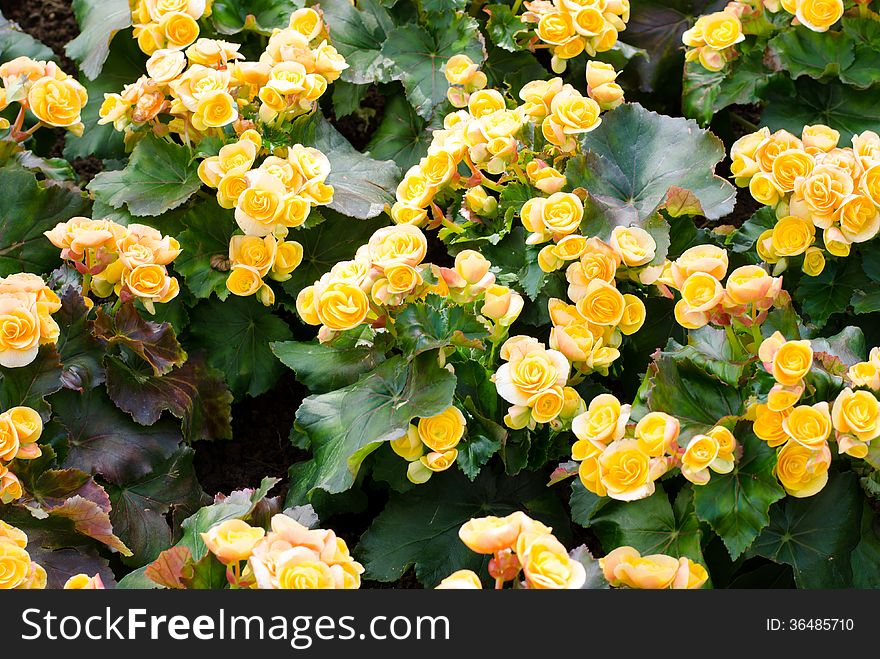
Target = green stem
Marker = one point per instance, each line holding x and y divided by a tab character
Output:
516	6
745	123
734	341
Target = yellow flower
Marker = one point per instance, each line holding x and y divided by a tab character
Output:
699	455
215	110
562	213
626	471
436	461
288	257
819	15
409	445
792	361
764	190
233	540
657	433
397	244
180	29
708	259
547	179
485	102
57	102
701	292
782	396
801	471
573	112
768	425
460	70
835	242
748	284
720	30
599	261
823	191
603	422
792	236
856	413
626	567
85	582
814	262
19	329
258	253
15	565
257	207
790	165
633	315
859	218
243	280
547	405
530	370
151	283
165	65
556	27
9	533
28	427
634	245
342	306
305	306
443	431
488	535
546	564
461	580
809	425
602	304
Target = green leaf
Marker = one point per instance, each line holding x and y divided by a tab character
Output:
358	33
866	555
236	335
346	425
676	385
503	26
155	343
863	302
334	240
433	324
14	42
195	393
815	535
814	54
347	98
54	169
710	349
103	440
584	504
652	525
839	352
843	108
475	451
81	353
402	135
745	237
657	26
707	92
866	34
159	177
141	503
98	20
206	239
419	55
635	158
30	208
29	385
511	71
233	16
829	293
736	505
420	528
324	367
124	65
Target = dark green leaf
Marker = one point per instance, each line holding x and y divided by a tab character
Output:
584	504
636	158
815	535
813	54
503	26
736	505
159	177
236	335
402	135
233	16
433	324
205	241
346	425
30	208
29	385
14	42
358	34
81	353
322	367
823	296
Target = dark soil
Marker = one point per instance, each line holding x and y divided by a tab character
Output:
359	126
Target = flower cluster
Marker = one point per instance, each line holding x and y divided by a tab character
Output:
571	27
486	137
517	543
623	461
533	380
17	570
440	434
209	85
26	308
20	428
388	272
801	431
289	556
167	24
816	15
130	261
713	38
464	78
811	183
697	274
625	566
55	98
